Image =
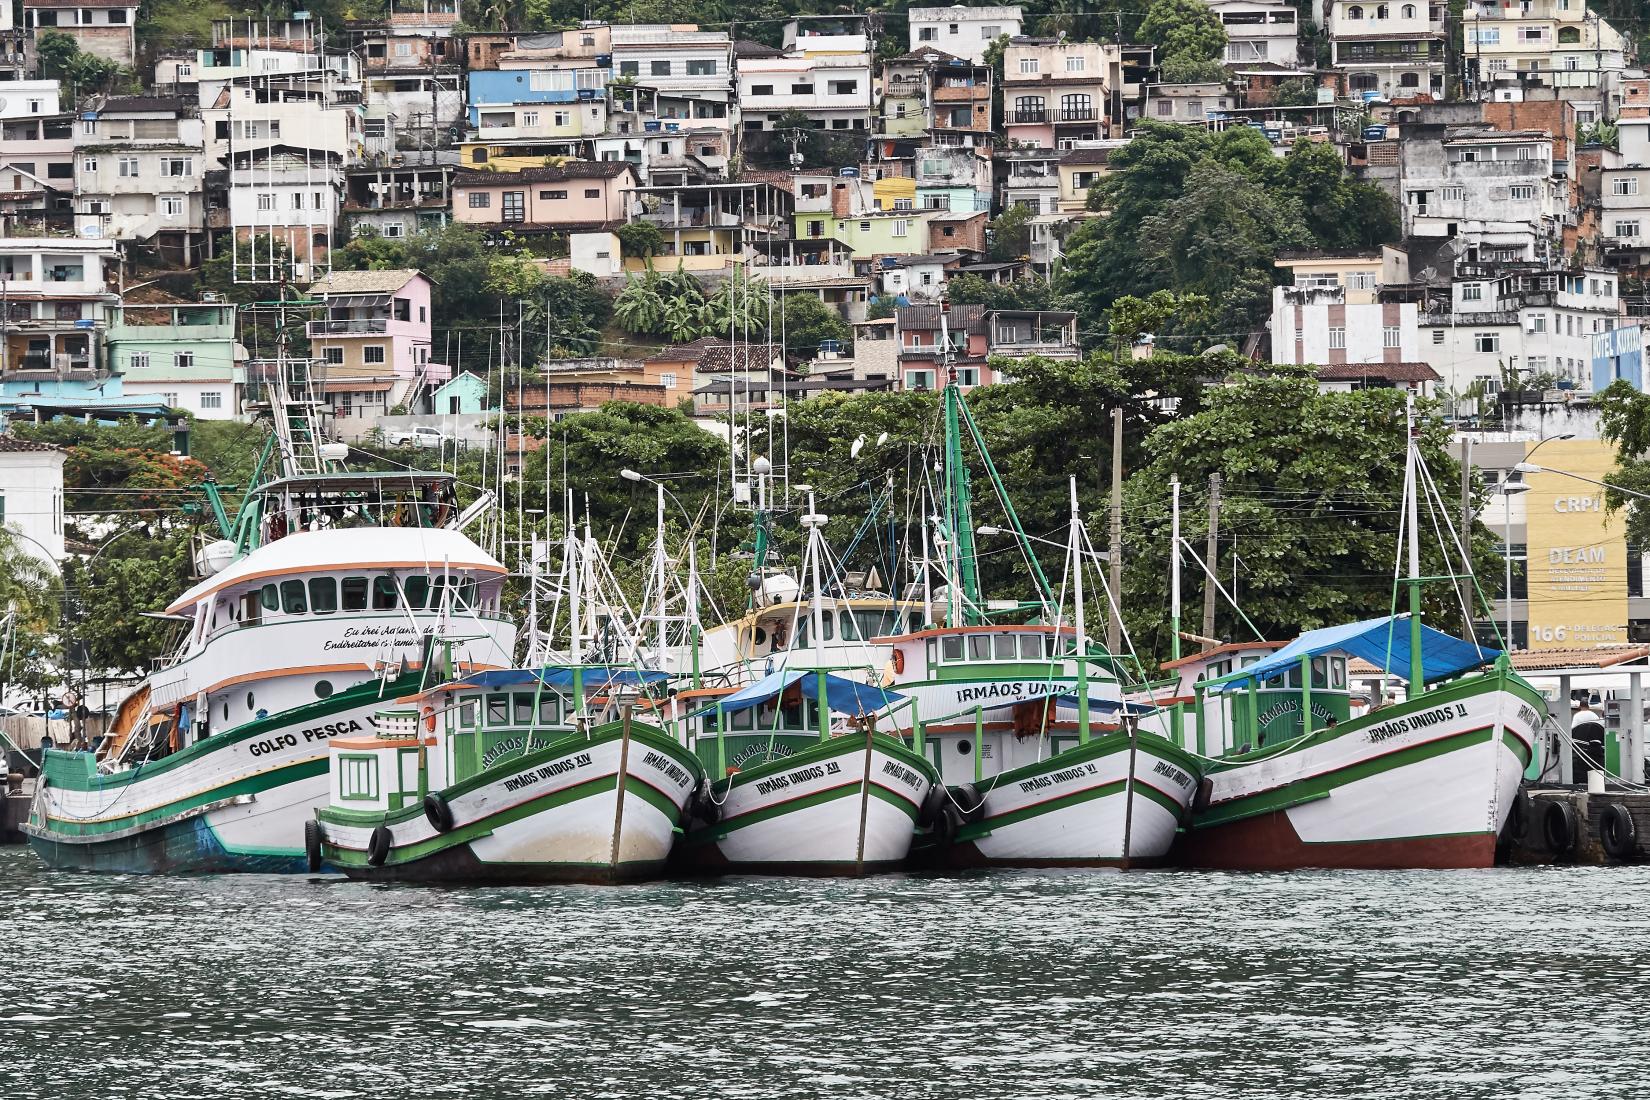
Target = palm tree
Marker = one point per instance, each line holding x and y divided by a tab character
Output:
639	306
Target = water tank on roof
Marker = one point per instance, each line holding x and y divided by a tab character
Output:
652	127
848	173
604	60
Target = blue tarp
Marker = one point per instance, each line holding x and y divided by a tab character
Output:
595	676
1382	641
842	696
1106	706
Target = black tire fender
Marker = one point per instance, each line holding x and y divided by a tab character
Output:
933	805
312	845
1518	816
1558	826
703	807
378	847
1204	793
969	801
945	826
438	812
1617	832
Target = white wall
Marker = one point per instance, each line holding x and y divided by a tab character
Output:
31	486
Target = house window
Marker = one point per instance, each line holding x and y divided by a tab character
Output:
89	164
297	200
659	68
563	118
176	166
843	87
212	400
171	205
183	360
529	118
138	361
1624	185
902	227
127	167
1165	108
927	34
1337	337
393	229
630	68
1538	322
864	227
701	68
334	355
1472	292
514	206
1455	194
1437	336
1028	66
1523	190
480	200
761	89
668	380
551	196
266	200
1075	64
1389	337
1488	342
592	192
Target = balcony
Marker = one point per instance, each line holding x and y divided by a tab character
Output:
348	326
1028	117
1077	114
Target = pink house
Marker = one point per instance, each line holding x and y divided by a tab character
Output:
377	326
578	194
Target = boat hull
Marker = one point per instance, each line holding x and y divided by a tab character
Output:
1427	784
599	808
1113	802
237	801
847	806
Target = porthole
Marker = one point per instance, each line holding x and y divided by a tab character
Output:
761	637
323	688
226	710
250	705
964	748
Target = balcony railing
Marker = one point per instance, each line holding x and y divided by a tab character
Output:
1078	114
348	326
1028	116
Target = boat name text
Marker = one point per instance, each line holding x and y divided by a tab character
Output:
1172	773
903	774
310	735
1386	731
801	775
1008	690
548	771
660	762
372	637
1064	775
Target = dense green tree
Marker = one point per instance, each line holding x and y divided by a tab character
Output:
806	323
1008	235
641	239
30	591
1310	497
1188	35
82	73
1624	420
1019	294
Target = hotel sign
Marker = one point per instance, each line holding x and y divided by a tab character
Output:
1577	556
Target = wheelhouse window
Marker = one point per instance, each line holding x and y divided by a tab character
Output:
323	595
384	594
498	710
292	598
354	593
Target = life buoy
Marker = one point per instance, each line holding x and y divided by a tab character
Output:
429	719
378	846
440	814
1617	832
899	662
1558	826
312	845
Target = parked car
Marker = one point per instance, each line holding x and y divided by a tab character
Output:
416	437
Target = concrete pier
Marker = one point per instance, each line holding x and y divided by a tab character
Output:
1549	835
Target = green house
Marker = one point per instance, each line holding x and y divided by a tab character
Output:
464	393
184	354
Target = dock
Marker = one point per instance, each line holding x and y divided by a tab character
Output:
1570	824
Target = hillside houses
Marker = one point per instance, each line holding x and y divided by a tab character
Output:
826	160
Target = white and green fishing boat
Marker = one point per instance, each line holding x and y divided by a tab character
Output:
504	777
1427	782
1046	763
799	795
317	604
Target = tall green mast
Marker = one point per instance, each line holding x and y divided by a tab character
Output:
959	513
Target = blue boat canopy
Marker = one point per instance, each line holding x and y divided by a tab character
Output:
842	696
595	676
1109	706
1383	642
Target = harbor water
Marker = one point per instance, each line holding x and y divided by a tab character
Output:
1528	982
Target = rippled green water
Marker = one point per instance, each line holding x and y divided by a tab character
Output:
1469	984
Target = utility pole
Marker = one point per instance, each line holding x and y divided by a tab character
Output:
1210	550
1114	617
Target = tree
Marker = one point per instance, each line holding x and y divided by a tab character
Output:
1185	32
1008	236
1624	420
61	58
29	589
806	323
642	239
1185	68
1020	294
1311	486
640	308
1296	93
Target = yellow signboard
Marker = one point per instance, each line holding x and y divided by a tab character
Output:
1577	554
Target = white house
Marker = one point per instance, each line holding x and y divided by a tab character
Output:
141	163
1258	31
962	32
31	495
1492	189
23	98
1316	324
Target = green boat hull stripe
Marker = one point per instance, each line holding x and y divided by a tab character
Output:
252	785
1280	797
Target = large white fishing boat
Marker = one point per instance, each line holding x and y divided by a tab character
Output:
320	600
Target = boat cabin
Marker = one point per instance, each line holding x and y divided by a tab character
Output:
1269	711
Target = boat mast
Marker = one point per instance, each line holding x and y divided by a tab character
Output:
1174	590
575	611
659	603
1412	519
1078	620
965	583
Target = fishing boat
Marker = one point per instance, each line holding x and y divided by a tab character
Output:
799	794
319	602
505	776
1302	779
1047	763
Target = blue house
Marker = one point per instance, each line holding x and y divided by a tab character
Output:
465	393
